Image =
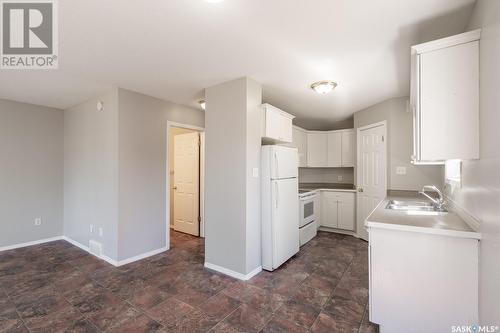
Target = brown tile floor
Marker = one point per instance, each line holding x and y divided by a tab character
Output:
56	287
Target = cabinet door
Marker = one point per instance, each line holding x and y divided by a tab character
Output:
348	139
317	147
286	133
273	124
300	142
329	210
346	211
449	110
334	149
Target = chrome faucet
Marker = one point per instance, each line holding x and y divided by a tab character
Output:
439	203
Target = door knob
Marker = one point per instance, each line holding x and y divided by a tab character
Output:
175	187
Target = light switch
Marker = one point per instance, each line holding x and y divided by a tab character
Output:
401	171
255	173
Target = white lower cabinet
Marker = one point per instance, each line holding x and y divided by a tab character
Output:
338	210
422	282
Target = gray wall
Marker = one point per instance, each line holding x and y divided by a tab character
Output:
399	145
480	192
115	171
91	172
231	132
253	194
142	169
31	172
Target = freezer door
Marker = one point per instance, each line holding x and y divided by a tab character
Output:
285	220
284	162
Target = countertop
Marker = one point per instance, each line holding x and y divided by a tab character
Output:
328	186
449	224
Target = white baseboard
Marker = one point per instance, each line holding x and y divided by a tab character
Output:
338	231
142	256
86	249
232	273
113	262
40	241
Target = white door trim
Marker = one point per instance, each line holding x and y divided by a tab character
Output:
358	175
171	124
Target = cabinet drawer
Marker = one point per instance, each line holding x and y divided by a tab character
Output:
330	195
346	196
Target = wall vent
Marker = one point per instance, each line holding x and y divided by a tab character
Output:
95	248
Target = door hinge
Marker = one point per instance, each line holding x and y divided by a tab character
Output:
199	218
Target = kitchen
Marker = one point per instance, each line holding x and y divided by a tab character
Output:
327	166
392	217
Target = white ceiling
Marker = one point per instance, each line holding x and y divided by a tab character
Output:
173	49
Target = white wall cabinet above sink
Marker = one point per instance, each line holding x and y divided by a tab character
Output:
445	98
276	125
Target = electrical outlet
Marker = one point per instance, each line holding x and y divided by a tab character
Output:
91	228
38	221
401	171
100	232
340	178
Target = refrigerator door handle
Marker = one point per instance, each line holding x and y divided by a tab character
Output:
276	164
277	194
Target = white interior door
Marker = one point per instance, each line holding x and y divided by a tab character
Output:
372	172
186	183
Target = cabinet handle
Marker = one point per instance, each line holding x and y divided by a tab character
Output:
360	189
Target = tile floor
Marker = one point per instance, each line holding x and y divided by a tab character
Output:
56	287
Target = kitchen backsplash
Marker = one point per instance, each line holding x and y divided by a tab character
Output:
326	175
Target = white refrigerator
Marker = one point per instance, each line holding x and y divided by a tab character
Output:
280	204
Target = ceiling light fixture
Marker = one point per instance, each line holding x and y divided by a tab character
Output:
323	87
202	104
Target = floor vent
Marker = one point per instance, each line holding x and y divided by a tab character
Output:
95	248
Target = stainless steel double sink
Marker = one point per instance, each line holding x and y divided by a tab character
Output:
415	207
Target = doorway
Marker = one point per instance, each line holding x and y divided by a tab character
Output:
185	172
371	172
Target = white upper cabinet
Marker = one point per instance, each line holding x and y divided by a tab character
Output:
332	149
317	149
445	98
335	149
348	148
300	142
276	125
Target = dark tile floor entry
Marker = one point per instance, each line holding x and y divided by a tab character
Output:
56	287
